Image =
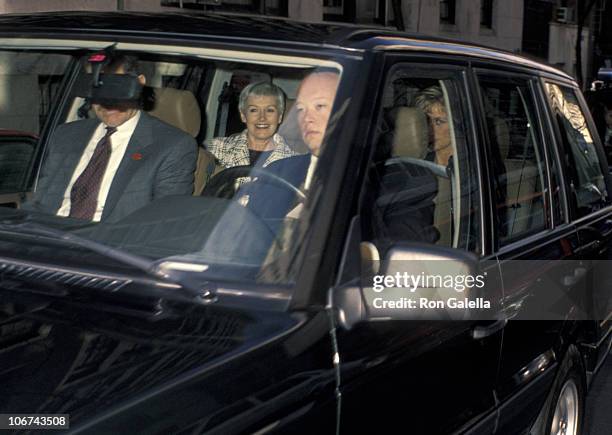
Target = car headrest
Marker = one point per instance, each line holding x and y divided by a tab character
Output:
290	130
411	134
289	102
178	108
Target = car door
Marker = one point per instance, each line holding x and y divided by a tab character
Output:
532	236
421	376
588	186
31	81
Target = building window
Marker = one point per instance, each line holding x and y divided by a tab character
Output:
486	13
241	6
447	11
334	7
340	10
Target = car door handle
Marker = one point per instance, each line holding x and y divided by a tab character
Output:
589	247
571	280
480	332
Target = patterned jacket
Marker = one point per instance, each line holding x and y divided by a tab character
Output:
233	150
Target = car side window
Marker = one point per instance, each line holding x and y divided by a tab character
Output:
515	155
424	182
30	83
582	160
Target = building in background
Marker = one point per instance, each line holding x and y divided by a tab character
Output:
545	29
602	37
551	32
26	6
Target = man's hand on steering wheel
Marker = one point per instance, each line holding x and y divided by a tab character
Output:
225	183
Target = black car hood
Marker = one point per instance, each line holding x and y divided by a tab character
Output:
59	356
86	335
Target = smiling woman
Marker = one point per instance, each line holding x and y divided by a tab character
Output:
261	106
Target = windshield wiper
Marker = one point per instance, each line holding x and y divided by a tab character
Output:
193	289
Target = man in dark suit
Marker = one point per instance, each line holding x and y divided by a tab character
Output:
106	168
313	105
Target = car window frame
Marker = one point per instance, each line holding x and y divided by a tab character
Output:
56	107
531	78
310	276
440	69
551	147
560	148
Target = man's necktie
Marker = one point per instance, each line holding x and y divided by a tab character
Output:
84	193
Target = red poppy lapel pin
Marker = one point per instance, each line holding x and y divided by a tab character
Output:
136	156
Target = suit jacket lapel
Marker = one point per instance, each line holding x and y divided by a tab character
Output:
141	138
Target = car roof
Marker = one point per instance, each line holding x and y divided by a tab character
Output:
272	30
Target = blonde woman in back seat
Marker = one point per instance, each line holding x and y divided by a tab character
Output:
261	106
431	101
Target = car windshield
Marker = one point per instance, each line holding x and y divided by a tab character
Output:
200	157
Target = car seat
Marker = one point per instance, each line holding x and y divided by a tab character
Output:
180	109
408	183
411	139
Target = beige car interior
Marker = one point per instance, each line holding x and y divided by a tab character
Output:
411	139
524	197
289	129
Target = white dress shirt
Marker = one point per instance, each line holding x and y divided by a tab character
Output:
119	142
311	169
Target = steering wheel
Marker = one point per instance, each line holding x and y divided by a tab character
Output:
223	185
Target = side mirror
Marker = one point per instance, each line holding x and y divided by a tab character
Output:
413	282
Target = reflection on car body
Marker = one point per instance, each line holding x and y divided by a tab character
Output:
246	301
